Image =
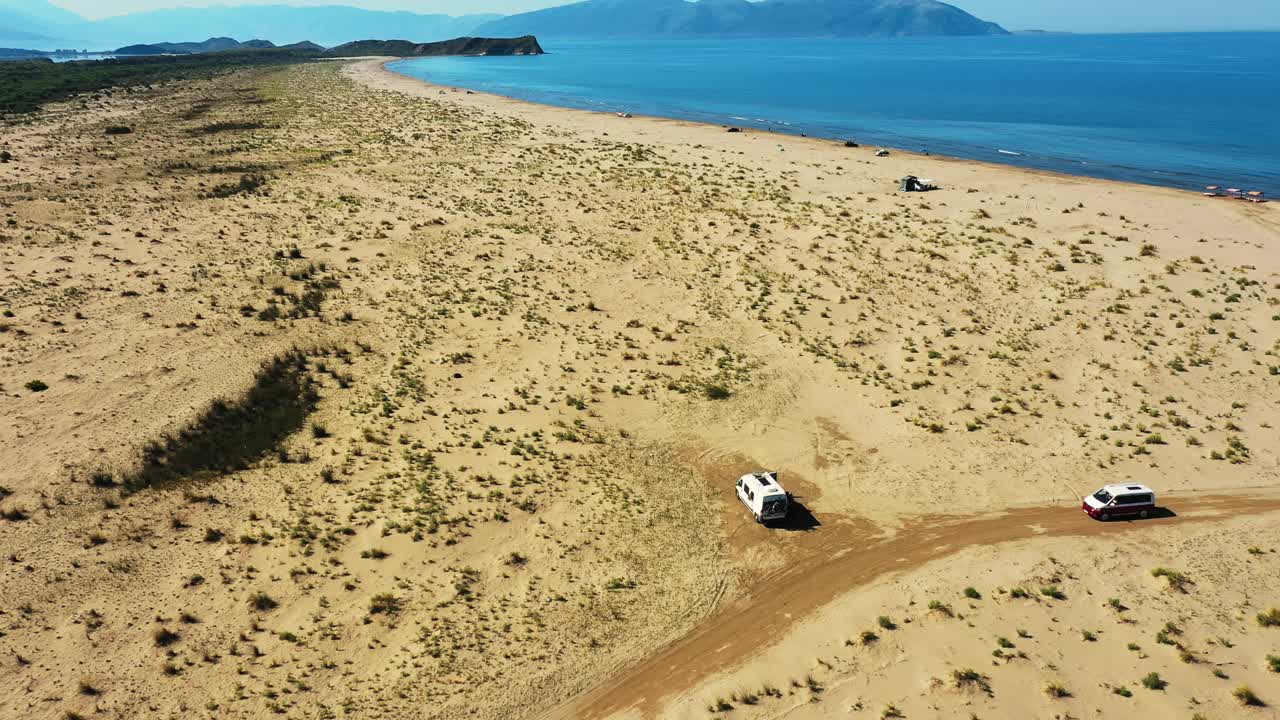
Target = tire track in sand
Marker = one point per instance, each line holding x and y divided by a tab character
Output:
843	555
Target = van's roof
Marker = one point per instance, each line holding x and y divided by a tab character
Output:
766	481
1127	488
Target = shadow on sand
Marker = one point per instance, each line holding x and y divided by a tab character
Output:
798	519
1160	513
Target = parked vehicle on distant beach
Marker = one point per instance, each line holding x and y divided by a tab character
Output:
763	496
1120	501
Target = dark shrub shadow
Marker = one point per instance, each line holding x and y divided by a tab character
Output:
232	435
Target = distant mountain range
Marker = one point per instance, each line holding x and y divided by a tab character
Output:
218	44
763	18
42	24
39	23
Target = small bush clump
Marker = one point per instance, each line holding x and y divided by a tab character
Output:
1153	681
1246	696
262	602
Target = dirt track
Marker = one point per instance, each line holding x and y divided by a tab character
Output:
842	555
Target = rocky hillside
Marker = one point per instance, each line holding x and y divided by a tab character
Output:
526	45
837	18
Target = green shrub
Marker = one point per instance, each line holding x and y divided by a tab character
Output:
1177	580
968	677
1053	592
262	602
1245	695
384	603
717	392
1153	681
1056	690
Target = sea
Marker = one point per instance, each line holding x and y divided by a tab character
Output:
1183	110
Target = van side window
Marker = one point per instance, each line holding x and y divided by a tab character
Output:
1134	500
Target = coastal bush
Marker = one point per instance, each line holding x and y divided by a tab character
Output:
233	126
970	678
1153	681
718	392
719	705
1270	618
1177	580
1052	591
163	637
247	184
230	435
1056	690
37	386
26	85
262	602
1246	696
384	603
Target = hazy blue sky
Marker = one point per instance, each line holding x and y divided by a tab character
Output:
1074	15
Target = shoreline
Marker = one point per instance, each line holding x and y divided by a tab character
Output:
750	128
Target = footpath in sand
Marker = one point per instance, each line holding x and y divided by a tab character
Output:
329	393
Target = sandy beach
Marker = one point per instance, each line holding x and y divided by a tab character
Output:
333	393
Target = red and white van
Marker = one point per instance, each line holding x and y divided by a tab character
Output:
1120	501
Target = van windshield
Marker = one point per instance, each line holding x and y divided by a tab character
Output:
1102	496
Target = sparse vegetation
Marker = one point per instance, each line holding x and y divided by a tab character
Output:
1056	690
1177	580
262	602
1153	681
1247	697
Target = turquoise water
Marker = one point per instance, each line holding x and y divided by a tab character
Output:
1182	110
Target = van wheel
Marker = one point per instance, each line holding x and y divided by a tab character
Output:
1144	514
1104	517
758	520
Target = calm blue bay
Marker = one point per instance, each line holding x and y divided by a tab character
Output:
1183	110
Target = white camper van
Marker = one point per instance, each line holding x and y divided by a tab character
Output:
763	496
